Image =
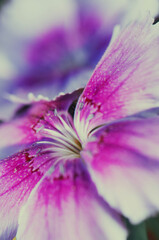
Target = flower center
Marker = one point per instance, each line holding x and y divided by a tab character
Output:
61	139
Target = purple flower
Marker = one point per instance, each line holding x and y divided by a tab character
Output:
86	158
51	42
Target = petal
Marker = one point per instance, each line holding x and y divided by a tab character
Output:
66	206
124	163
23	129
18	176
63	55
21	172
20	131
125	80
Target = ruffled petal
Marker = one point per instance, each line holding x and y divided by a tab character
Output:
123	160
125	80
65	205
18	176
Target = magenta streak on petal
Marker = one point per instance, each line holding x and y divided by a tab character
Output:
124	163
18	176
66	206
22	171
121	85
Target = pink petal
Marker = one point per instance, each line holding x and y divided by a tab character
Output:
124	163
21	172
23	129
125	80
66	206
18	176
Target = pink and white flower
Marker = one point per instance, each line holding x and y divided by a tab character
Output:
87	158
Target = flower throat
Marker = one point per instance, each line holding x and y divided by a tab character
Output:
61	139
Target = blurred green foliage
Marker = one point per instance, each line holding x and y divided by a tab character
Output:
147	230
2	2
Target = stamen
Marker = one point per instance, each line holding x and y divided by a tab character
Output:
61	141
39	129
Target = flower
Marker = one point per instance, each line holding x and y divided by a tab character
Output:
44	43
80	161
59	40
